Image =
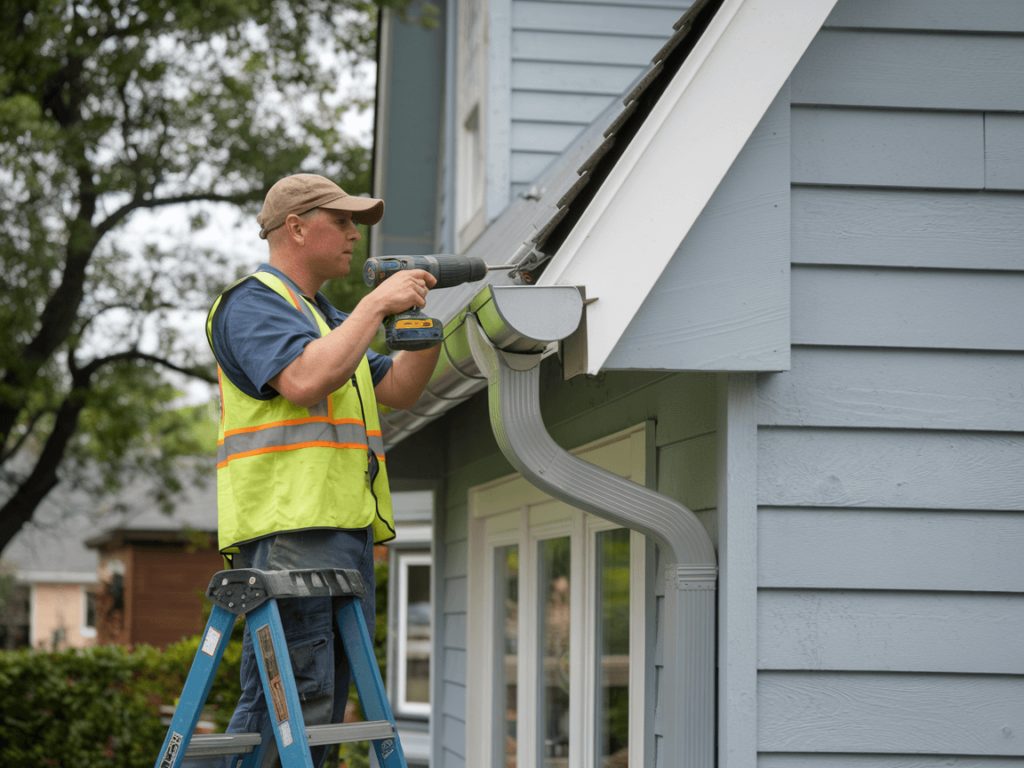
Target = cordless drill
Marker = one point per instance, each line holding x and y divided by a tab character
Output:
412	329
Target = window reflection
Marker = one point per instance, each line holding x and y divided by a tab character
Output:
417	645
553	727
612	727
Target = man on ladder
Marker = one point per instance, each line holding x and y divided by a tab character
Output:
301	480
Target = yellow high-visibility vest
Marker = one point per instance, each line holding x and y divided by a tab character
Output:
282	467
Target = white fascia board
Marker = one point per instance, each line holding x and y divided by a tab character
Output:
668	172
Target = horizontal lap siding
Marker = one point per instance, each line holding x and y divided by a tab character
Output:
845	711
891	455
907	228
569	61
835	760
891	631
449	714
890	549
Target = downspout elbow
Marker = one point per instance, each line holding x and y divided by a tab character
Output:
513	387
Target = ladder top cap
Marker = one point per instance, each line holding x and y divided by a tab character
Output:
243	589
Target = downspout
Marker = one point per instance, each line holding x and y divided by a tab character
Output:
688	703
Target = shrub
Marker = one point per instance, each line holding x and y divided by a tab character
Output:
100	706
80	708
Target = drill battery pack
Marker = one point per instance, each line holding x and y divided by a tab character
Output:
413	333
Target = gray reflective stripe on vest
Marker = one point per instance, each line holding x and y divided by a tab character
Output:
376	443
294	434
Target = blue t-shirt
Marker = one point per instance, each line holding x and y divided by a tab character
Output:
257	333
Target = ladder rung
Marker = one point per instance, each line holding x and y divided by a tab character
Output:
342	733
208	744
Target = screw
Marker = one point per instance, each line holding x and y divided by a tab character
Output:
231	605
252	579
224	582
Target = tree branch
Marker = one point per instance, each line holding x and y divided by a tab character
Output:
42	479
196	371
115	218
29	429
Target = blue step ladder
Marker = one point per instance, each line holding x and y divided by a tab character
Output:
255	593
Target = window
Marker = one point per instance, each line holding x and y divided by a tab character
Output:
556	627
412	648
88	612
470	121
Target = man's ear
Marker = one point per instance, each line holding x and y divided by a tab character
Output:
295	227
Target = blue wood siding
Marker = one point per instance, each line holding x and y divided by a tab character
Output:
569	61
723	301
891	455
449	714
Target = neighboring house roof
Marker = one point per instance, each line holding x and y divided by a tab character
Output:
194	510
58	545
631	172
51	548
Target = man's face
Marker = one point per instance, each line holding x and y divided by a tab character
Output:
331	237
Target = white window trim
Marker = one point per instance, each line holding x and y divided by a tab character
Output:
403	707
623	453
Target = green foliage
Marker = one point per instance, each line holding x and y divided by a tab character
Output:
77	708
99	706
108	108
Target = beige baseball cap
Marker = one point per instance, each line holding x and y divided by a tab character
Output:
306	191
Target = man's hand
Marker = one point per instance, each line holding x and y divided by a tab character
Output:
402	291
403	384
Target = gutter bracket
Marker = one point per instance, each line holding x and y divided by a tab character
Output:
688	705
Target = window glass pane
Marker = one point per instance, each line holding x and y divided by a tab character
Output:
612	729
506	614
417	645
553	726
90	609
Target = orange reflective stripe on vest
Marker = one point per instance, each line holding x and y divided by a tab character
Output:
297	433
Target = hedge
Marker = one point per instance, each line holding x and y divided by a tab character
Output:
99	706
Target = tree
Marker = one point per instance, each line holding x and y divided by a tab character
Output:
108	108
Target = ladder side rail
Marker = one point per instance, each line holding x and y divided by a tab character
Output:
274	662
197	688
366	674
